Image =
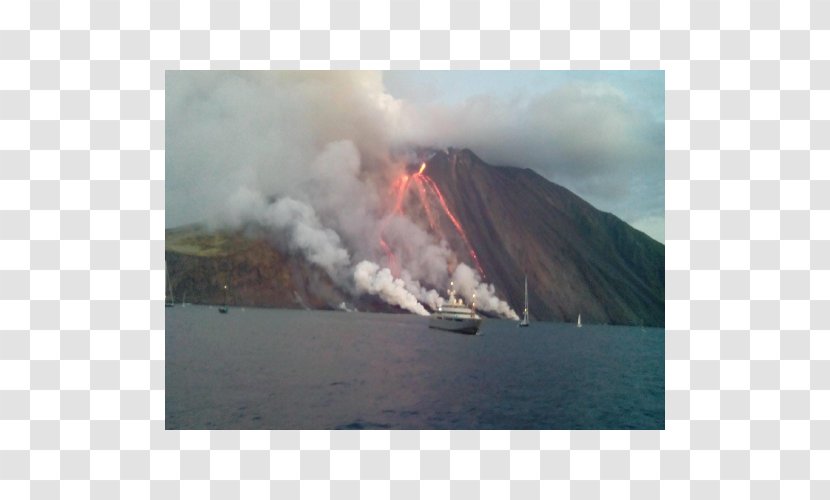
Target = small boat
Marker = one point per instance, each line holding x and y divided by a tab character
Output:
169	302
525	320
455	316
224	307
579	321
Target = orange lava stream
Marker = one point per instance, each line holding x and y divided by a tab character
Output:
391	261
422	194
401	193
455	222
402	184
422	181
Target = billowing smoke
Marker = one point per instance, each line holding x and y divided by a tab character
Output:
371	278
319	245
431	298
468	282
297	225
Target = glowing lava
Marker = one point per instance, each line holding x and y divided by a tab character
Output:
403	185
455	222
422	194
391	261
424	185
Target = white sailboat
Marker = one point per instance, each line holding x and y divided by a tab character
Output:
579	321
525	321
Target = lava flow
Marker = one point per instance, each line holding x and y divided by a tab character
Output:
422	194
391	261
424	186
455	222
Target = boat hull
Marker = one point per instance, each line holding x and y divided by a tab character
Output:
467	326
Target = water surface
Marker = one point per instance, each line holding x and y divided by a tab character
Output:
286	369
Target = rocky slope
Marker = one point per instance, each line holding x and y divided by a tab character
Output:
578	259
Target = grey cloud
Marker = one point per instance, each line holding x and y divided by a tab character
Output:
591	138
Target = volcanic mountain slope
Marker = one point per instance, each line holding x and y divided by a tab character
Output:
200	262
579	260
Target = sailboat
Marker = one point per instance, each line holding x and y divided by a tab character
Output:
579	321
525	321
169	301
224	308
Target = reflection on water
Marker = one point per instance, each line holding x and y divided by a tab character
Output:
281	369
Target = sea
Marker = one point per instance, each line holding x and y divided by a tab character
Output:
297	369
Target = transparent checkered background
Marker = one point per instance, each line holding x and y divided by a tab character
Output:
82	249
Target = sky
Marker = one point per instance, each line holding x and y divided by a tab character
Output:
598	133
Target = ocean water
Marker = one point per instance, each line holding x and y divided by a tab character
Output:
287	369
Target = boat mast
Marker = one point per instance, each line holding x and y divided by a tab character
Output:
525	315
169	298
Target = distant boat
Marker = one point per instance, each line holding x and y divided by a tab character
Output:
224	308
525	321
169	300
455	316
579	321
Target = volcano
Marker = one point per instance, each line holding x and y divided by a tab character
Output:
578	259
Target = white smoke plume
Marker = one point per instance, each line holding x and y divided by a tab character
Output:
468	282
431	298
320	245
426	258
298	226
371	278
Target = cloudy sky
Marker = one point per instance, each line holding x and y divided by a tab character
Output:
598	133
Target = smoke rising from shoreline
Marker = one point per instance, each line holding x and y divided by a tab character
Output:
371	278
468	283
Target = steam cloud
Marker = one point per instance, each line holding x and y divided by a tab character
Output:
371	278
320	245
297	224
468	283
307	155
